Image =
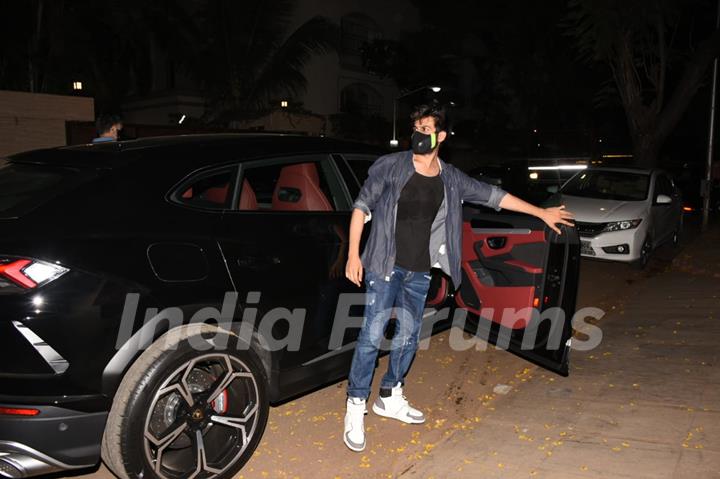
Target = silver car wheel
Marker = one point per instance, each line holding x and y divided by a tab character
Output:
202	418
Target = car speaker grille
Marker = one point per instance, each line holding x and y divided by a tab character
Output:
589	229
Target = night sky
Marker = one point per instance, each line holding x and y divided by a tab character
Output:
531	65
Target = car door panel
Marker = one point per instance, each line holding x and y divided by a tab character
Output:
439	289
665	216
520	280
288	258
292	250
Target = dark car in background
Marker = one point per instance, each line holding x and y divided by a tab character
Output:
690	178
149	292
534	180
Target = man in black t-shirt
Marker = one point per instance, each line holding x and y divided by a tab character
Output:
415	202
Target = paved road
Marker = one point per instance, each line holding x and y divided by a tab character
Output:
645	404
547	425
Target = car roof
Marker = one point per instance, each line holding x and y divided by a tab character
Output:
239	147
625	169
175	140
219	139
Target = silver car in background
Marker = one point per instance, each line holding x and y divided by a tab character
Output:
623	214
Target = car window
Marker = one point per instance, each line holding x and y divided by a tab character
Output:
353	187
608	185
207	190
360	164
293	184
663	186
24	187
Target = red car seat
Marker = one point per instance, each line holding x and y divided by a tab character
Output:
216	194
248	200
298	189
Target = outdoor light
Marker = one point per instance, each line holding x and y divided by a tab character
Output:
535	130
284	104
394	143
435	89
182	119
559	167
77	85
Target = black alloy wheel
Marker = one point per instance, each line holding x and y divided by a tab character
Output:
184	412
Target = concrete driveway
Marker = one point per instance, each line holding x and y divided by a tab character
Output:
645	403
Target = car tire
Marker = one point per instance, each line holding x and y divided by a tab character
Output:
187	406
645	253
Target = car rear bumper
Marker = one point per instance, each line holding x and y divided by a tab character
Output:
607	246
56	439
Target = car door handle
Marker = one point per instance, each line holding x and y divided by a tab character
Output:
257	261
496	242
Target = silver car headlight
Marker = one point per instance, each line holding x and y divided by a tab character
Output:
622	225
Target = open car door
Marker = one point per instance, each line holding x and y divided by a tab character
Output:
519	285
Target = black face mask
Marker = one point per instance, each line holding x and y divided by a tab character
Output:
423	144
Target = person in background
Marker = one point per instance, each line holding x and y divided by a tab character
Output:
108	128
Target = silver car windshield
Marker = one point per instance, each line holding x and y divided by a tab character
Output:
608	185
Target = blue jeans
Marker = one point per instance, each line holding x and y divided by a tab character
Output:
406	290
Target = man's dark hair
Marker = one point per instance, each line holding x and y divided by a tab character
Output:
434	110
105	122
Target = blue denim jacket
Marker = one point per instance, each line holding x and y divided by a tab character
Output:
379	197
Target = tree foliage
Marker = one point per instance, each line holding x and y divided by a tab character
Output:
655	71
243	54
508	66
250	54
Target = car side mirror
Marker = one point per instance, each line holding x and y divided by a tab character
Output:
553	189
663	199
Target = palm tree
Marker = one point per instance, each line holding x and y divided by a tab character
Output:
115	40
249	55
49	44
243	54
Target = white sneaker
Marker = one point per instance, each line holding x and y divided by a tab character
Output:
354	435
397	407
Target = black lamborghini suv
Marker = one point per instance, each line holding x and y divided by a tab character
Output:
157	295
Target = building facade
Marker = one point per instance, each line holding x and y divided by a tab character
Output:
337	82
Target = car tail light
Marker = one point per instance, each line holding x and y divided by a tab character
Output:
28	273
9	411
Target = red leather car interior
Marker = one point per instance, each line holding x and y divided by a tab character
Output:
248	200
302	178
496	298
